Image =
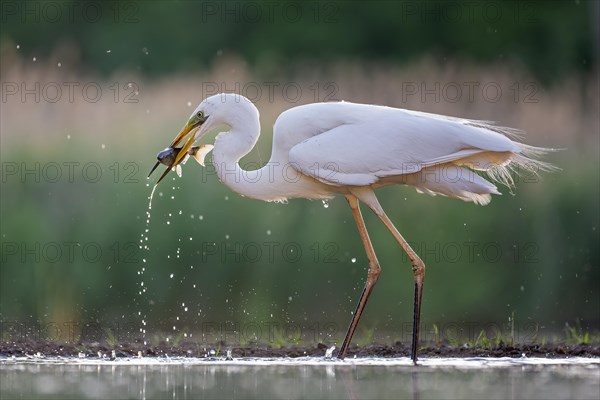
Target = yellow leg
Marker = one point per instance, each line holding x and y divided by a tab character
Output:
372	277
367	196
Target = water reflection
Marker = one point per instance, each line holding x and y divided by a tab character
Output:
295	381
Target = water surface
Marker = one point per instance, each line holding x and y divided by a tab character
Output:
300	378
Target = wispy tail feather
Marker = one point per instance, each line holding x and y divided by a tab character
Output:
527	161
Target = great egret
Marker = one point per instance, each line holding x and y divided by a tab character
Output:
340	148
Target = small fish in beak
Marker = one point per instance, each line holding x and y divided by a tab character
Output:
169	155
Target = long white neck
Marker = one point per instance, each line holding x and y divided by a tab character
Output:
264	183
278	180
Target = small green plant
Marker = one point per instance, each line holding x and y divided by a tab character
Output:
575	335
483	341
366	337
436	336
81	348
511	321
111	339
155	341
534	338
453	338
177	339
278	339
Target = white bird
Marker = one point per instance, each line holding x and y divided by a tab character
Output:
322	150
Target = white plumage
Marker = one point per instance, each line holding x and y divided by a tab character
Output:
322	149
325	149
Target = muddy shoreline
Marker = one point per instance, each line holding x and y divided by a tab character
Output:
190	349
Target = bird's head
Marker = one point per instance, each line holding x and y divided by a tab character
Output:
215	110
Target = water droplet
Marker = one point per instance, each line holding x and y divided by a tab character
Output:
171	276
268	231
189	103
34	59
353	259
325	204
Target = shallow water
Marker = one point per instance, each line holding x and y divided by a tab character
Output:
301	378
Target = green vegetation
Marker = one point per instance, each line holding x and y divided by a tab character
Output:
551	38
575	335
111	339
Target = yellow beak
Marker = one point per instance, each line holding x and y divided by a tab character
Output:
188	129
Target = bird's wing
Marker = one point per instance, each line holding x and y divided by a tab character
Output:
362	153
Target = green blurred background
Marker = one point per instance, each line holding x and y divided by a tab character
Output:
91	91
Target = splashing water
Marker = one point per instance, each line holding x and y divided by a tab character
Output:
144	248
329	352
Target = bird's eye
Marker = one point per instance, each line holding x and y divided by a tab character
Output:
200	115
